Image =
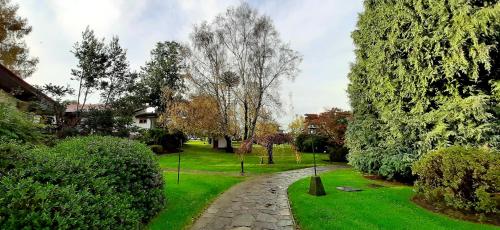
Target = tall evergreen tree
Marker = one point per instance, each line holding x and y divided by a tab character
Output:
163	72
426	75
92	64
118	79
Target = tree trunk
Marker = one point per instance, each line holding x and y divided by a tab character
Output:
215	143
269	148
245	119
229	146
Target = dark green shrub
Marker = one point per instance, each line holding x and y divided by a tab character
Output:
158	149
98	121
338	153
68	132
29	204
91	182
153	136
12	154
460	177
128	166
304	143
170	141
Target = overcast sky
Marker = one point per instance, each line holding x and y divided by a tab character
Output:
319	29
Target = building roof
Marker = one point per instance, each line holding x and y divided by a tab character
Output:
146	112
71	108
20	89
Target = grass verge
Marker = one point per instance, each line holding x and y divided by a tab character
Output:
186	200
387	207
200	156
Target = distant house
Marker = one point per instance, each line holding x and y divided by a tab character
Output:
145	118
70	114
22	93
219	143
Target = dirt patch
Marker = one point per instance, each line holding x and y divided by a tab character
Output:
384	180
493	219
375	186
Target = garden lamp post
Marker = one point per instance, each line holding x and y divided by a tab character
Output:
316	186
314	156
179	162
179	153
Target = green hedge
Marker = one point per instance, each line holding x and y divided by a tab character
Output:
460	177
304	143
169	141
89	182
338	153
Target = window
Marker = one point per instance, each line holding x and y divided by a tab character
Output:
143	121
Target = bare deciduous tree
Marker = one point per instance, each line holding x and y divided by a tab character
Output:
210	73
241	55
259	58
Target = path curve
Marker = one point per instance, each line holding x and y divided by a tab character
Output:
259	203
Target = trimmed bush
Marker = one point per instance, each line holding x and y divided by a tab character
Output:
30	204
170	141
338	153
158	149
129	166
460	177
304	143
90	182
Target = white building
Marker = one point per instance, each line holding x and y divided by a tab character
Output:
145	118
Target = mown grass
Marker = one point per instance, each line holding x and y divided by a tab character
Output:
186	200
387	207
206	173
198	155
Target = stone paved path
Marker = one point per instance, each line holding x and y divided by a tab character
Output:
259	203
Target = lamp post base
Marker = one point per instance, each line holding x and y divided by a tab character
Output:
316	187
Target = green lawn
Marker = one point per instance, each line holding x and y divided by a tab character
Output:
206	173
200	156
388	207
186	200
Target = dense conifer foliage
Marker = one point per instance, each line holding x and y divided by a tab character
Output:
426	75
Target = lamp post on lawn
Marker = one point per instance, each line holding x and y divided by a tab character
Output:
316	186
179	154
314	157
179	162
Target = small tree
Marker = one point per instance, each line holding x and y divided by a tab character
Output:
245	148
57	93
268	141
297	126
333	124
